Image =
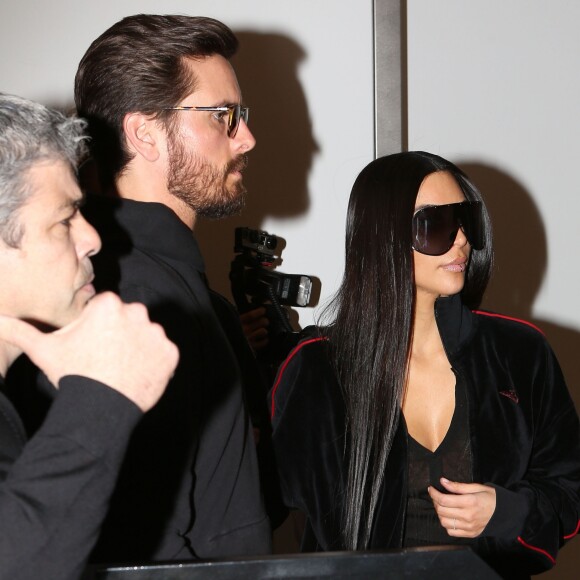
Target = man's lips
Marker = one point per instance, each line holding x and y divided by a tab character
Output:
238	164
89	282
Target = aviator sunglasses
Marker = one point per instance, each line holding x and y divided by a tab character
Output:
235	113
435	227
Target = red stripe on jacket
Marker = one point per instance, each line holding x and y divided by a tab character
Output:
283	368
574	532
525	545
493	315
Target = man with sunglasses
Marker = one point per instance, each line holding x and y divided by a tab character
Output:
169	137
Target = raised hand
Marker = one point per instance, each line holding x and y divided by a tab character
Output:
111	342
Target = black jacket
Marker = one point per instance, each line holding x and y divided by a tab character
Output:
55	488
524	433
189	486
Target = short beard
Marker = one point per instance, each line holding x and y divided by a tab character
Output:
202	186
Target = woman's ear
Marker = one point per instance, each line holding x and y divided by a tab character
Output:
142	134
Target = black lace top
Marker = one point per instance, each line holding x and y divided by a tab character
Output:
452	459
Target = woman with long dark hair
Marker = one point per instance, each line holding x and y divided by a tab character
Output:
412	418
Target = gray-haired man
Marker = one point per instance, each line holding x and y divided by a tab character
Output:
108	362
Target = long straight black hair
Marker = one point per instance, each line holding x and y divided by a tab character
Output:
372	319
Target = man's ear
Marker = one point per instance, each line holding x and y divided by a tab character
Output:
142	133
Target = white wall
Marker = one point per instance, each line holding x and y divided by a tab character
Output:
305	68
494	85
498	83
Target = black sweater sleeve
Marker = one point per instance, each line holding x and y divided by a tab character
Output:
55	495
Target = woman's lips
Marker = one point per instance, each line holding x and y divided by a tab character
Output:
457	265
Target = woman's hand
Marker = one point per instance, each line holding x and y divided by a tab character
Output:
466	510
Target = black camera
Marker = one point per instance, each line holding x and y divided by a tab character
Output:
252	273
255	283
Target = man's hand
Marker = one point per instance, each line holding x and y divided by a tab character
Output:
255	326
111	342
466	510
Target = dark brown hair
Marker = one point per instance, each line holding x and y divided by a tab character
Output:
137	66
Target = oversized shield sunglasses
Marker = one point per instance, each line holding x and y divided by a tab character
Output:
435	227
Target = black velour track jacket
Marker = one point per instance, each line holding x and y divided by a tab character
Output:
524	432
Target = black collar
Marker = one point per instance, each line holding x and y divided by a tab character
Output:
456	323
152	227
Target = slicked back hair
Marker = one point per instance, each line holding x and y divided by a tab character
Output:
372	319
138	65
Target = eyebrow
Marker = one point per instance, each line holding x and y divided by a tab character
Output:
227	104
214	106
75	204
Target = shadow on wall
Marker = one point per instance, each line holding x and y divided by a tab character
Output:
277	176
521	261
